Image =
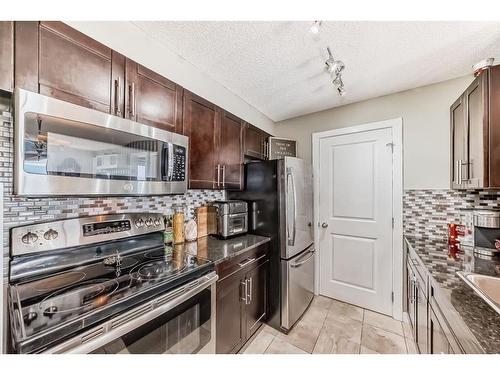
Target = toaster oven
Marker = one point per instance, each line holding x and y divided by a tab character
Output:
231	217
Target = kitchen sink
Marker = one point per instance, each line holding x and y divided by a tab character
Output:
488	287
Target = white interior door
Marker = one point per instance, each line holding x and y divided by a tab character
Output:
355	212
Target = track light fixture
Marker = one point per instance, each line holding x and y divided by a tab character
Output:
335	68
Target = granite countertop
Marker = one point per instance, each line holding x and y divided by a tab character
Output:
218	250
458	302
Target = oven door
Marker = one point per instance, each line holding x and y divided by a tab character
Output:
183	322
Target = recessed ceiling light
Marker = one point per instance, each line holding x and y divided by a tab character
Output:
315	27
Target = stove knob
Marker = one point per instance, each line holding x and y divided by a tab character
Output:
29	238
50	311
157	222
149	222
139	223
51	234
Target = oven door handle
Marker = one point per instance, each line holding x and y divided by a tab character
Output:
125	323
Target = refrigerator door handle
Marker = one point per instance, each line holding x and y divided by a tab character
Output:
303	261
291	241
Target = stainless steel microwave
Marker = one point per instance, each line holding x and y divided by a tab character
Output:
65	149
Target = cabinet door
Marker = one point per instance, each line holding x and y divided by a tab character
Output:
477	122
56	60
421	326
458	143
6	55
254	142
152	99
231	152
438	344
201	122
256	307
229	332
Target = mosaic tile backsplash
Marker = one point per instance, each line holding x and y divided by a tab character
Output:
428	212
19	211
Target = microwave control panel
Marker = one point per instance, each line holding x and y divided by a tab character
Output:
178	164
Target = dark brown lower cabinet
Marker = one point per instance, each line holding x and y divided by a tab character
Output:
430	329
241	298
438	343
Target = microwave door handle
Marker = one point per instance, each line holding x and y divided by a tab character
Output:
166	161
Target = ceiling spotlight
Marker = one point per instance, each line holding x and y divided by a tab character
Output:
315	27
335	68
337	81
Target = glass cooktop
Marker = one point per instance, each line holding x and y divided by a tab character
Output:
60	304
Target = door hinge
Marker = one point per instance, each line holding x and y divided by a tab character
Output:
392	296
392	223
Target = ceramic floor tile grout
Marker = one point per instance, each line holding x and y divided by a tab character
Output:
322	326
267	347
384	329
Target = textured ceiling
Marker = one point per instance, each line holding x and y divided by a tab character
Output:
278	67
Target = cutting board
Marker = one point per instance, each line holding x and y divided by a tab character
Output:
202	221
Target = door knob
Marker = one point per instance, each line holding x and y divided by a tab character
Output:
324	225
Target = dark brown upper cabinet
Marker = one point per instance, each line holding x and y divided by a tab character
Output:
201	123
54	59
231	152
6	55
475	134
255	142
152	99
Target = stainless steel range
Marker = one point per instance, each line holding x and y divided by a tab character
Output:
107	284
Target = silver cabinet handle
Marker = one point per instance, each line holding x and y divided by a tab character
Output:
245	262
223	176
245	291
117	97
217	168
132	102
466	164
249	290
457	172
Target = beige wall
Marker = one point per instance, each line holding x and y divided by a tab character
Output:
426	127
133	42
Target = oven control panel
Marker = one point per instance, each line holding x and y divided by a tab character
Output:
66	233
93	229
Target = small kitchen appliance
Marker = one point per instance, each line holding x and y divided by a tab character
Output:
65	149
231	217
486	234
108	284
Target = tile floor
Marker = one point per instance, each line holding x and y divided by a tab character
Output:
334	327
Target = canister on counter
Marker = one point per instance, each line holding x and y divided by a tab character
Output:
168	232
178	223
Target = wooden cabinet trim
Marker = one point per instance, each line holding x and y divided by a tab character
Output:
7	55
78	38
26	54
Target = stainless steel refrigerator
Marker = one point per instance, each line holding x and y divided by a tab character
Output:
279	196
